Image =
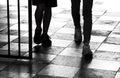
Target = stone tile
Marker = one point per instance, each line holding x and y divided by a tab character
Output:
63	16
114	8
2	66
4	38
22	69
93	45
5	52
109	47
13	21
14	53
3	26
22	27
3	20
94	73
22	40
16	74
62	36
113	40
103	27
66	30
60	43
74	45
27	34
12	32
58	70
100	33
97	38
3	14
98	13
44	58
112	14
117	75
57	24
44	76
53	30
14	47
65	60
2	44
104	65
4	62
106	22
7	60
106	55
51	50
117	29
114	34
72	52
57	10
104	18
70	24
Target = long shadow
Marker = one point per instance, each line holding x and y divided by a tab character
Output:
85	61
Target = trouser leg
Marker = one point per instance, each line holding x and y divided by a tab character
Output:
75	11
87	16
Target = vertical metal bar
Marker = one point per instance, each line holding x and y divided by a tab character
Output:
19	36
8	21
30	27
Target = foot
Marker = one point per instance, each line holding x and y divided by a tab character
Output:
46	42
86	49
37	36
78	36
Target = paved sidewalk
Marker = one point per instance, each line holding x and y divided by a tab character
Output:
64	59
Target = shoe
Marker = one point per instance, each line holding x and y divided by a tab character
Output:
78	36
37	36
86	49
46	42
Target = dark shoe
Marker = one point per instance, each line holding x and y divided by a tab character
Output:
37	37
78	36
46	42
87	50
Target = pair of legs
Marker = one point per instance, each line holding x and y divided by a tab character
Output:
43	13
87	16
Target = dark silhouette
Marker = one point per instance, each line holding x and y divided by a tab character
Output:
87	26
84	70
43	13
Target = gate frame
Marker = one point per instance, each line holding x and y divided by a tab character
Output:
29	30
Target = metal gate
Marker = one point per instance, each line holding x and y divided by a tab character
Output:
29	11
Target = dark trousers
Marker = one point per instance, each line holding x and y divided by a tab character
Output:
87	17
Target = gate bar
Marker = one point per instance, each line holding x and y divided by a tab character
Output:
8	21
19	36
30	27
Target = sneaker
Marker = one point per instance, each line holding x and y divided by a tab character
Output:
78	35
46	42
86	49
37	36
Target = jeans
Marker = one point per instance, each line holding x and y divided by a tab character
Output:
87	17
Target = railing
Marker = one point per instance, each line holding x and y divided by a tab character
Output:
9	55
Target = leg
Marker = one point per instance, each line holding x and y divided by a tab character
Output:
46	19
75	10
38	19
87	16
46	42
87	13
39	15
